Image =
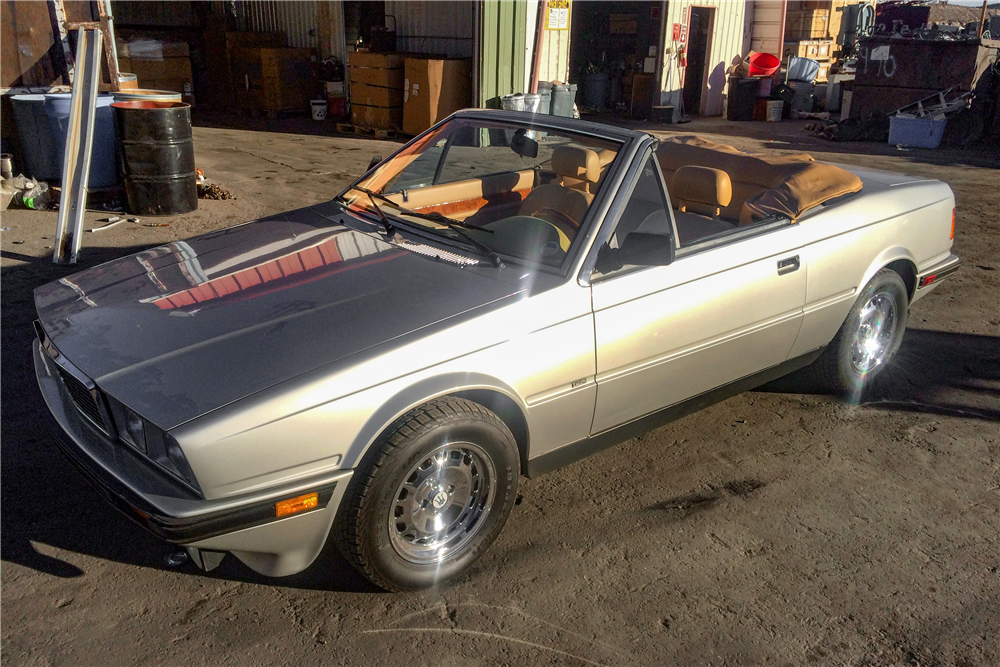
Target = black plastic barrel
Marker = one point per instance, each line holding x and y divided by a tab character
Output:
156	154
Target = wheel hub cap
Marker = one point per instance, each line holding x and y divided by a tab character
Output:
875	333
442	503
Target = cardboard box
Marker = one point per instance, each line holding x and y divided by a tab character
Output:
273	79
377	89
817	49
434	88
159	65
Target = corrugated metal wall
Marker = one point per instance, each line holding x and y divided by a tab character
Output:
730	37
501	70
295	18
433	27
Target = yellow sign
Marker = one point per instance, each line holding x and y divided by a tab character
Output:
558	18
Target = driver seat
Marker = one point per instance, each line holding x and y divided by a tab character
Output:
579	169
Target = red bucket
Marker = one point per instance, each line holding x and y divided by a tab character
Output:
763	64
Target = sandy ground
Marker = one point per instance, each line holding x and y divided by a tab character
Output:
774	528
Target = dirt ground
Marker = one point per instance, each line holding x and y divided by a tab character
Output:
776	528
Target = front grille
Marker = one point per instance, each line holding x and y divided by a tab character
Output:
82	398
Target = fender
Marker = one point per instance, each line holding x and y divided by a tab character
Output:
417	394
884	259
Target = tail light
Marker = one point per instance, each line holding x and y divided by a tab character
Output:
952	224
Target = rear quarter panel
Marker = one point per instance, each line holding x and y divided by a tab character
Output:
849	242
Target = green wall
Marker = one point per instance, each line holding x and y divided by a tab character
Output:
502	50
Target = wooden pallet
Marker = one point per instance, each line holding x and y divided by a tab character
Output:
373	132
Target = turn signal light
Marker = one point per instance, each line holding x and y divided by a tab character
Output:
952	224
299	504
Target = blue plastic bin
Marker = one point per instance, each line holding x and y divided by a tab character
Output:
916	132
42	123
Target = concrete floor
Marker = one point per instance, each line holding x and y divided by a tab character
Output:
774	528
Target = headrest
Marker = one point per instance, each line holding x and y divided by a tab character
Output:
703	185
576	162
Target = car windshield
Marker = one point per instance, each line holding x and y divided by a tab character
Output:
498	189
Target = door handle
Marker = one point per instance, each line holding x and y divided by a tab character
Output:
788	265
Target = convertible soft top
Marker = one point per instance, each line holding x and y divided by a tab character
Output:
762	185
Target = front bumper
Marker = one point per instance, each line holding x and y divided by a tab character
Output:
245	525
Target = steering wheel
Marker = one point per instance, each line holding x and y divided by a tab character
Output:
565	224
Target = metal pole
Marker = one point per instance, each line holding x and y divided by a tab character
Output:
79	141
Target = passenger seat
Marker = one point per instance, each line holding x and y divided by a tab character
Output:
701	190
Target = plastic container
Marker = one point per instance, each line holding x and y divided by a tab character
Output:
595	90
563	99
763	64
916	132
742	98
42	123
802	69
774	108
803	100
545	95
156	154
319	109
147	94
531	102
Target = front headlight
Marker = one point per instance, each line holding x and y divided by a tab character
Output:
152	441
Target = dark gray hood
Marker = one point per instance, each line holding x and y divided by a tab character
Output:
183	329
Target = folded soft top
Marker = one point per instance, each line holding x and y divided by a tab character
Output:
763	185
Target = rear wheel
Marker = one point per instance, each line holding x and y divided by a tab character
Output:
432	497
869	337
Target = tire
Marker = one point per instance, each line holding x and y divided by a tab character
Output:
849	364
430	497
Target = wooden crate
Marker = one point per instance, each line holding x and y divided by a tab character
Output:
220	46
817	49
807	24
273	79
377	85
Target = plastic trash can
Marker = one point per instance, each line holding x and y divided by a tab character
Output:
42	125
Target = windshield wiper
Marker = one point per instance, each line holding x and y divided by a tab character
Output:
454	225
388	226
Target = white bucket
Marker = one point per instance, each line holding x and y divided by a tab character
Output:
774	109
319	109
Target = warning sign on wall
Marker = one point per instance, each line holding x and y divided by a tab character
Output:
558	18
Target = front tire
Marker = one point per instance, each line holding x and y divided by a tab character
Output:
431	497
869	337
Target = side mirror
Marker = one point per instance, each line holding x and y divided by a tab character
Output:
373	163
638	249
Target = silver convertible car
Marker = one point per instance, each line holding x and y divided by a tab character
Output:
503	296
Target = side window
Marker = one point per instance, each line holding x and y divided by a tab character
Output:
646	210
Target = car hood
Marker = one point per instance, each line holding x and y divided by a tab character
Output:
180	330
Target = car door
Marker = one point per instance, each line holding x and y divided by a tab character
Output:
727	307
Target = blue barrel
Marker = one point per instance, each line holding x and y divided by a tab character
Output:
595	90
42	125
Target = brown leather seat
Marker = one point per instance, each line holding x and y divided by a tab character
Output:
701	190
579	169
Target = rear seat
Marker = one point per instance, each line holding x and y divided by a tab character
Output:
761	184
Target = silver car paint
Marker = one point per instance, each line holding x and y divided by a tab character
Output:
662	334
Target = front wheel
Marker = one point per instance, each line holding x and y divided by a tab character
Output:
869	337
431	497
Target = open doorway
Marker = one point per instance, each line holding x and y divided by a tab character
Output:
699	45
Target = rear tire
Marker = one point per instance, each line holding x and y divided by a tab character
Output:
868	339
431	497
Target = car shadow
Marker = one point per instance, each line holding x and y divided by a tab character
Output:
935	372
